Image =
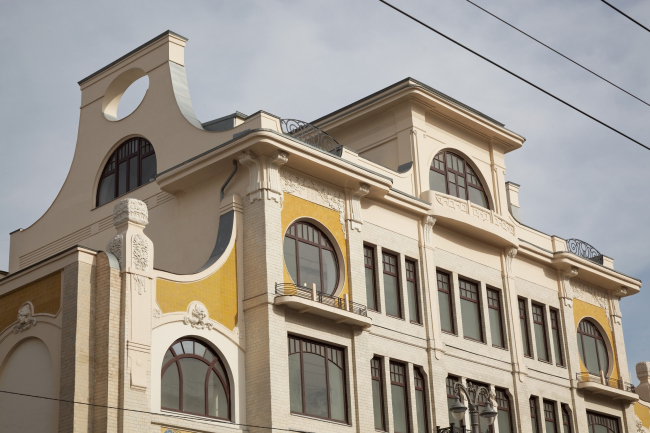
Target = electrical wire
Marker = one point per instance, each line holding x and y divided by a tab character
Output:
515	75
559	53
626	16
187	418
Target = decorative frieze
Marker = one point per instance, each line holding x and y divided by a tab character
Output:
25	318
590	294
478	212
132	210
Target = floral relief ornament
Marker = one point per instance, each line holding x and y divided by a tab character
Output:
25	318
140	252
589	294
198	317
115	247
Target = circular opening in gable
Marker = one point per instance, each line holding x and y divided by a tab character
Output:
132	97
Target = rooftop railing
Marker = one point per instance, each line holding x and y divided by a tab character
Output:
310	134
607	381
583	249
290	289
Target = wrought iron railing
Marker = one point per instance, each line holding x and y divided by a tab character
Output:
451	429
290	289
607	381
310	134
583	249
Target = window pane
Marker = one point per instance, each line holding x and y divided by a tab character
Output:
121	184
188	346
524	336
471	319
194	374
504	421
376	404
590	360
419	403
370	289
295	383
602	356
315	385
550	427
168	356
217	398
337	392
133	173
329	272
290	258
540	342
437	181
477	196
309	265
556	348
399	409
148	169
445	312
106	190
391	295
495	327
413	304
170	392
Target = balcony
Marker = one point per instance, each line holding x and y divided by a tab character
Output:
607	387
306	300
470	219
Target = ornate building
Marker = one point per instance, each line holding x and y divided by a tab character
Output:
345	275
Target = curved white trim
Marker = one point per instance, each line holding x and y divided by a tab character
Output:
179	316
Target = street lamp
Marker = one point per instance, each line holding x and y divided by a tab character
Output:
458	409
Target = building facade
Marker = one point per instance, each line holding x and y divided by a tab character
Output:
337	276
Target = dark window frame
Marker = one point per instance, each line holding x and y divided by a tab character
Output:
411	276
225	381
598	336
379	378
327	349
477	301
467	174
523	315
536	315
555	329
501	396
369	263
549	409
418	377
566	418
403	384
450	383
320	246
141	149
449	293
534	419
400	307
613	424
495	304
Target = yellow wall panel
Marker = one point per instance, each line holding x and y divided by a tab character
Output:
218	292
295	207
583	309
643	412
44	294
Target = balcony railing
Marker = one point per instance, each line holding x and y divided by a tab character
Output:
607	381
583	249
310	134
290	289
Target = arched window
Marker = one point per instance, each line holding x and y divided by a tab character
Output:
593	351
194	380
133	164
602	424
310	258
450	174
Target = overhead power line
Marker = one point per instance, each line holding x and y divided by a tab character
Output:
559	53
626	16
186	418
515	75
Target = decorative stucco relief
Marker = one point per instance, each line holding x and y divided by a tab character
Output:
590	294
130	209
510	256
476	211
197	316
429	222
139	283
25	318
139	252
115	247
639	426
354	203
566	291
314	192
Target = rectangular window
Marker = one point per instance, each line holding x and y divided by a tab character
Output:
445	304
496	322
377	393
412	290
392	292
557	340
400	402
602	424
371	282
503	409
317	380
470	310
549	417
420	401
523	321
451	399
534	419
539	322
566	420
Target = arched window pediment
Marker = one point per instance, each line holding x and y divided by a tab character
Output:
132	165
451	174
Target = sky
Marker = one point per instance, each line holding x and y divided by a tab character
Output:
304	59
